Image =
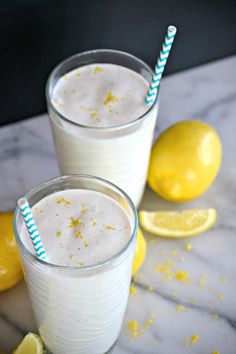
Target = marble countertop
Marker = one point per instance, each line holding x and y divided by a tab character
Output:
169	313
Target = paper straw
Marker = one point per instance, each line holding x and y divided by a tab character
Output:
32	228
160	66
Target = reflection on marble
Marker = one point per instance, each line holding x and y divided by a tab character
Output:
27	158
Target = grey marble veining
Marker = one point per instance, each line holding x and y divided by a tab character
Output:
27	158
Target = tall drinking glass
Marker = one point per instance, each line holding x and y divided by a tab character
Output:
79	309
117	153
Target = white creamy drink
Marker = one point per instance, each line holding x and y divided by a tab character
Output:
107	136
80	310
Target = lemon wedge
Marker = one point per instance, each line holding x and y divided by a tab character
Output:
31	344
177	224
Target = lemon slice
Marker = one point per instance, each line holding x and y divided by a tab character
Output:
31	344
177	224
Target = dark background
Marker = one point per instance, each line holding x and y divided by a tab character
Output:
37	34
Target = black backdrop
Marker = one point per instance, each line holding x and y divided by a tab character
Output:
37	34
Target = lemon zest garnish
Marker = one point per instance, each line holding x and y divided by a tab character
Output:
132	289
97	70
220	296
93	223
74	222
78	234
108	227
211	289
147	324
74	91
214	316
70	256
193	300
194	338
224	279
182	277
169	263
165	270
59	233
133	329
110	98
62	201
188	247
150	289
215	353
84	211
38	210
174	253
180	308
80	263
85	244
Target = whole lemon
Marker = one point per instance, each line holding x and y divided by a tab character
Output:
140	252
184	161
10	266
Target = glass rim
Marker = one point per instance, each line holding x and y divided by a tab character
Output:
80	269
114	128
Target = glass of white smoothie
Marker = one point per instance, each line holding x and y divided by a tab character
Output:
79	295
100	121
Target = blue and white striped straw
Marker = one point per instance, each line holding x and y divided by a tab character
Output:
32	228
160	66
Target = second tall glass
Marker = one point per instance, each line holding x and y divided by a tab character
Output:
120	153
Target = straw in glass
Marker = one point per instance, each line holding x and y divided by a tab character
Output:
32	228
160	66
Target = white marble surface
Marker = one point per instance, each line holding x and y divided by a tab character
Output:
27	158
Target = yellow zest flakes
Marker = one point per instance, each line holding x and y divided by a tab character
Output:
188	247
93	223
193	300
74	91
108	227
63	201
133	329
65	77
169	263
70	256
174	253
94	116
59	234
193	340
38	210
85	244
80	263
147	324
182	277
97	70
78	234
150	289
211	289
215	353
161	268
110	98
224	280
77	75
180	308
74	222
214	316
202	280
84	211
220	296
173	293
132	289
137	277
